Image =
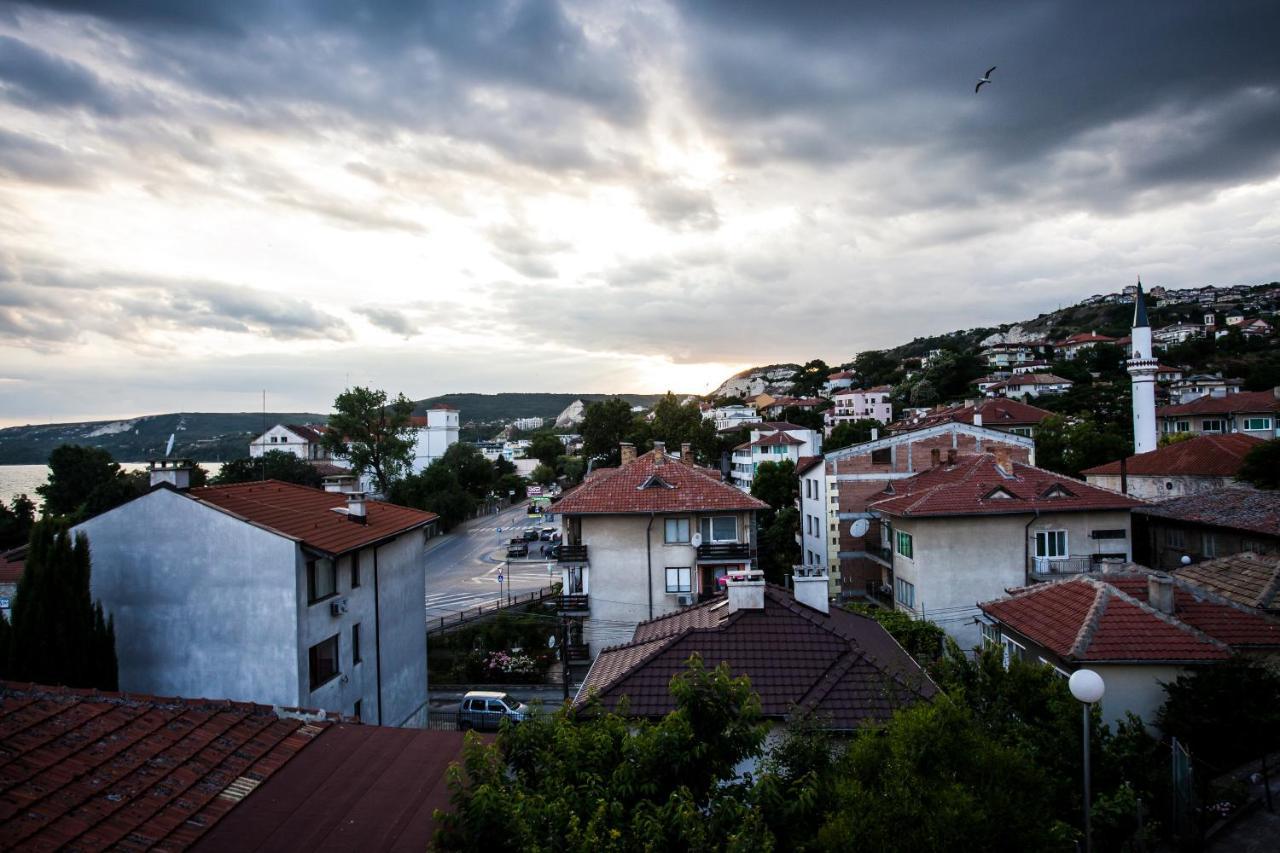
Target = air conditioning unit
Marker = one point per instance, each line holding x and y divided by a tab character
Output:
338	606
684	599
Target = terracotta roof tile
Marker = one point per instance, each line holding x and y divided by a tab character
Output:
655	483
776	438
1245	578
1246	401
1085	338
312	434
995	414
308	514
1237	509
1202	456
807	462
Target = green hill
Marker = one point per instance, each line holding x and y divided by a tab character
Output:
487	408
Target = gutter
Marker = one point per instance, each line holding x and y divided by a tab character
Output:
648	553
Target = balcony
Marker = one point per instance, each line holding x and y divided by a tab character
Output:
572	554
724	552
880	553
573	604
1052	567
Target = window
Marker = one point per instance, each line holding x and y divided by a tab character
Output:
355	570
1182	426
1208	545
322	580
677	531
721	528
1021	431
1212	426
906	592
1109	534
1253	424
906	546
1012	651
678	579
355	644
990	635
1173	537
324	661
884	456
1051	544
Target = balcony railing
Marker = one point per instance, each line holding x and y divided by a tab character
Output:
573	604
724	551
1062	565
880	552
572	554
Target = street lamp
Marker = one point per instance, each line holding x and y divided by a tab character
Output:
1086	685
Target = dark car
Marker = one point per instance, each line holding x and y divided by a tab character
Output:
518	549
531	534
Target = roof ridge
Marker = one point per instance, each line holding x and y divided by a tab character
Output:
1089	626
1168	618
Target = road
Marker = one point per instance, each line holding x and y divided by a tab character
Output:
463	565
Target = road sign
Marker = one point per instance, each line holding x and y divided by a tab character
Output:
499	577
533	491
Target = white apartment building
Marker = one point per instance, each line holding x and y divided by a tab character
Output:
817	518
527	424
856	404
772	441
1028	385
303	441
727	417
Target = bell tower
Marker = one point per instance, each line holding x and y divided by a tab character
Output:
1143	367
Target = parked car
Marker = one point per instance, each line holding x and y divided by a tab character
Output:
484	710
547	533
517	548
531	534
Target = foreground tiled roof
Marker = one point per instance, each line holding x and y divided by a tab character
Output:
93	771
1246	401
308	514
655	483
1256	511
1202	456
12	563
1246	578
975	485
995	414
842	666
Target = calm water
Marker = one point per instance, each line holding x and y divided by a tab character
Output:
19	479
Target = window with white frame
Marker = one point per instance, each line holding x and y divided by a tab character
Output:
1257	424
677	531
1021	431
1182	426
1012	650
906	592
1213	426
1051	544
990	634
678	579
720	528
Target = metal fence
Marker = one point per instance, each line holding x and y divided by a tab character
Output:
441	721
448	623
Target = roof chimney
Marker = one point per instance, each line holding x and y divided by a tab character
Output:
628	453
686	453
951	456
1160	592
339	483
1003	460
175	472
812	587
746	590
935	457
875	433
977	418
357	507
659	452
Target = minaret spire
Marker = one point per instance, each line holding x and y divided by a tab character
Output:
1142	372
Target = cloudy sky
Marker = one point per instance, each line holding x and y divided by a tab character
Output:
202	200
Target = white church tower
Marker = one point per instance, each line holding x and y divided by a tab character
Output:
1143	367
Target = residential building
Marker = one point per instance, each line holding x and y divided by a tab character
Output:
114	771
528	424
986	383
1206	526
1246	578
302	440
1205	463
1037	366
1138	629
965	531
802	656
813	507
1177	333
837	382
433	434
1071	347
856	404
1256	328
649	537
1010	416
1202	385
778	405
1255	413
858	475
1008	354
771	441
266	592
1029	385
1165	373
732	417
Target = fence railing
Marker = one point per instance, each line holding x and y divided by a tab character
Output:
1062	565
455	620
572	554
573	604
724	551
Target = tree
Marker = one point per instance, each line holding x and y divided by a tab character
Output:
475	474
1261	466
676	423
373	432
811	418
1070	446
436	489
605	425
58	634
16	520
272	465
546	448
848	433
544	474
86	481
1225	714
809	379
876	367
776	484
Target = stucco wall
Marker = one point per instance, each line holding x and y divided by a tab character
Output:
1162	487
1130	687
401	591
204	604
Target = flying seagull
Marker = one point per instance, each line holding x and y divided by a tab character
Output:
986	78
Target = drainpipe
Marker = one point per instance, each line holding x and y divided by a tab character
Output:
377	633
1026	548
648	553
1124	476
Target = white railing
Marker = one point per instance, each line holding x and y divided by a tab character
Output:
1062	565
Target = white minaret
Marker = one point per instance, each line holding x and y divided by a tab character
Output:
1143	368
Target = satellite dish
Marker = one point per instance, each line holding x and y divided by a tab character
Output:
168	448
696	540
859	528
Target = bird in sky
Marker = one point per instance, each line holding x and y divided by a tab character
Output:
986	78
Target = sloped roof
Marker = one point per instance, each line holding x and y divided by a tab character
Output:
1245	578
1036	379
309	433
807	462
1245	401
776	438
94	771
1257	511
842	666
655	483
308	515
1085	338
975	485
995	414
1202	456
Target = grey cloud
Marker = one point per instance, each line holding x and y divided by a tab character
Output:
679	207
36	161
33	78
390	319
519	247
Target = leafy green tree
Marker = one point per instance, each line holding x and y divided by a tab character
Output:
373	432
1261	466
676	424
436	489
16	520
272	465
544	474
546	448
849	433
779	550
86	481
605	425
922	639
574	468
809	379
811	418
1225	714
776	484
502	466
58	634
475	474
876	367
512	486
1070	446
922	393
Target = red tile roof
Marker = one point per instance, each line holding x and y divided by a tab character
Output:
1036	379
308	514
1246	401
807	462
975	485
777	426
309	433
1237	509
87	770
842	666
1202	456
995	414
776	438
683	488
1246	578
12	563
1085	338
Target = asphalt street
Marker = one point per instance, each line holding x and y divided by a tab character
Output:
463	565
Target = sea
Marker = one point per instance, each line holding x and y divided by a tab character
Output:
23	479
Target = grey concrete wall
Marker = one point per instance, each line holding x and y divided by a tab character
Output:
1162	487
401	590
1133	687
204	604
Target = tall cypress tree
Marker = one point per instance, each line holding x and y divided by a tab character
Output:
59	634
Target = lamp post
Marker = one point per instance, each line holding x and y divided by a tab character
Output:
1086	685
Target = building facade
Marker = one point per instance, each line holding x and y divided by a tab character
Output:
433	434
856	404
772	441
302	440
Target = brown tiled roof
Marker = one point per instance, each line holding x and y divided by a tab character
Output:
1246	578
842	666
303	431
328	469
1238	509
975	485
777	426
87	770
807	462
1202	456
1085	338
12	563
655	483
308	514
995	413
1246	401
775	438
1036	379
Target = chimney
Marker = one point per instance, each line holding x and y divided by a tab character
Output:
686	453
951	456
746	590
970	404
357	507
338	483
875	432
935	457
659	452
977	419
1003	461
1160	592
175	472
628	453
812	587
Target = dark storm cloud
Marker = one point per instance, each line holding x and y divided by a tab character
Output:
34	78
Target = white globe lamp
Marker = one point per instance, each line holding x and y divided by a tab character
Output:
1086	685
